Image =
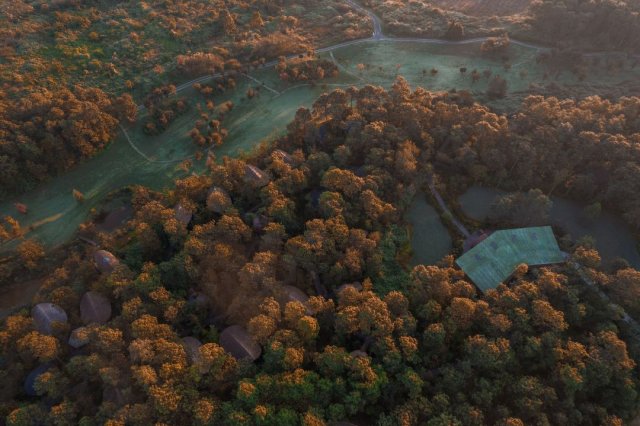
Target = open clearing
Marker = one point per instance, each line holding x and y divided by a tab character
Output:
265	117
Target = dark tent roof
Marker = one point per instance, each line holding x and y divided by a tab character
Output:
183	215
218	200
285	157
45	315
105	261
239	343
255	176
355	285
295	294
192	348
30	381
114	395
79	337
94	307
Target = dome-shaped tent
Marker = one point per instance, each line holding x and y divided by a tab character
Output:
254	176
218	200
46	315
183	215
285	157
239	343
295	294
290	293
32	377
192	348
356	285
94	307
79	337
105	261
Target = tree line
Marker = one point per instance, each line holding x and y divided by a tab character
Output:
294	244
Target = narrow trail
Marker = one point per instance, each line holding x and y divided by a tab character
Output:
461	228
633	324
145	156
629	320
580	270
261	83
377	36
345	69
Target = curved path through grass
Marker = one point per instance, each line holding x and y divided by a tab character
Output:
136	159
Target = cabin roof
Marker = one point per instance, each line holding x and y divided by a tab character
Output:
495	258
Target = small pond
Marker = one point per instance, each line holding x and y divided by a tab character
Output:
430	239
612	236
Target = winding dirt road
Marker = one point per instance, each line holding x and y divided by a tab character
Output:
379	36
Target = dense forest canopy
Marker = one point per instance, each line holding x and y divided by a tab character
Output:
590	25
122	52
102	57
277	287
299	244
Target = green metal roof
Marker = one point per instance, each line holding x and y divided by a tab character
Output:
494	259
